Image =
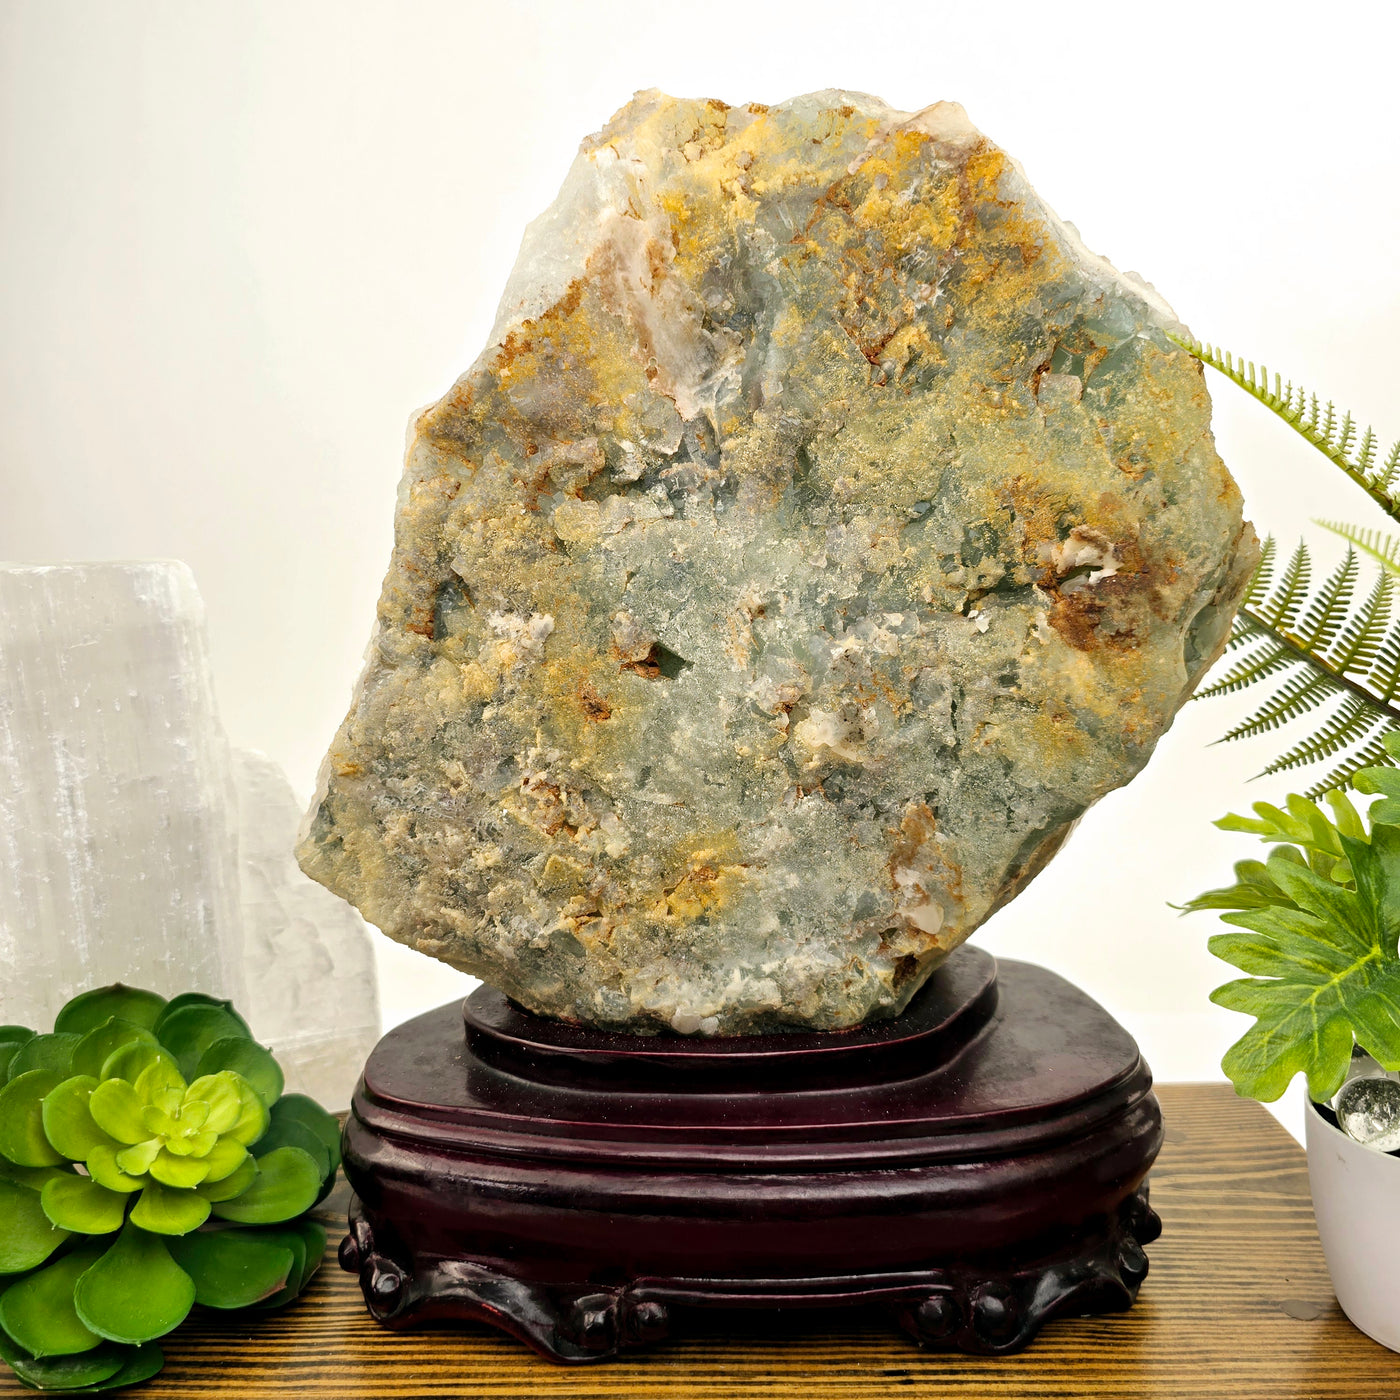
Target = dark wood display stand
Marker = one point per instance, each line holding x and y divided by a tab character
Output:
976	1167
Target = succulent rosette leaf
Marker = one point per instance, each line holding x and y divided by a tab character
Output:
11	1038
149	1162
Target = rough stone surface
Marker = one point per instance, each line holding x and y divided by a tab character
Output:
822	531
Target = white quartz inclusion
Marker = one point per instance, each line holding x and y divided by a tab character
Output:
135	847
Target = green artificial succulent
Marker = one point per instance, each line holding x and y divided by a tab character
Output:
149	1161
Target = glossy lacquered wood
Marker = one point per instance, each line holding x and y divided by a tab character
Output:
1238	1307
973	1167
952	1007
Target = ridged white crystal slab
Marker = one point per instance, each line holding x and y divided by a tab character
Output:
117	852
136	847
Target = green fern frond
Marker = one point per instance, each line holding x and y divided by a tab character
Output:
1334	437
1388	472
1384	549
1384	677
1351	723
1329	608
1320	650
1280	608
1263	578
1257	666
1364	635
1374	754
1305	690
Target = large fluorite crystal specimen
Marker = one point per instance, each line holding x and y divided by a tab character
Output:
823	530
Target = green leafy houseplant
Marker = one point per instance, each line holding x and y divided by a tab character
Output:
149	1161
1318	920
1317	927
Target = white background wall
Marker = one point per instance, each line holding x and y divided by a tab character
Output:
240	243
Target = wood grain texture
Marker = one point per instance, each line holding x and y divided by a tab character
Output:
1237	1307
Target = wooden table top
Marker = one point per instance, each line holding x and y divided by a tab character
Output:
1237	1306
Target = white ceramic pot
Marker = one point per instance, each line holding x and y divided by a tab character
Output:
1356	1198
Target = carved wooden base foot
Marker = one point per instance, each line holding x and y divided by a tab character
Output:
967	1311
943	1309
585	1323
975	1168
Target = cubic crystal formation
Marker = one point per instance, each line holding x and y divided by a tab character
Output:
822	531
